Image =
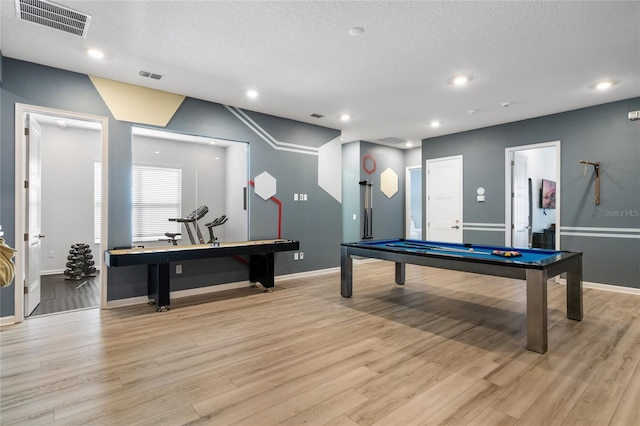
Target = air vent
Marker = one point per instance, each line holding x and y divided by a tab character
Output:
149	75
316	115
53	16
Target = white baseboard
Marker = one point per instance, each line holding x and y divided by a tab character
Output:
7	320
59	271
606	287
306	274
52	272
141	300
214	288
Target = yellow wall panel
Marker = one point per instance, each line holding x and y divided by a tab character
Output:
137	104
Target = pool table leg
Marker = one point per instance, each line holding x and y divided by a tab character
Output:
537	321
400	274
346	272
574	290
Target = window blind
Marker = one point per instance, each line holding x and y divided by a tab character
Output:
156	196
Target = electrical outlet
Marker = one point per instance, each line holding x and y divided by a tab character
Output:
295	256
295	197
301	255
178	269
51	253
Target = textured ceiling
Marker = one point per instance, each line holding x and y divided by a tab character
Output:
394	79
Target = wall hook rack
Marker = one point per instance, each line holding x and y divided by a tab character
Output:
596	168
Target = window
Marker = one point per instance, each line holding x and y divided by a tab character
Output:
156	196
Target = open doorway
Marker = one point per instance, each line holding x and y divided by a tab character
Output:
413	219
60	263
532	207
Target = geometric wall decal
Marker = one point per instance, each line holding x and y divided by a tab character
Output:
269	139
265	185
137	104
278	203
389	182
329	164
369	163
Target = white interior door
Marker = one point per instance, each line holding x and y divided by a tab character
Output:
444	199
520	194
33	217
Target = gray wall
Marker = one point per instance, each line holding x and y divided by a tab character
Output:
351	228
600	133
315	223
388	213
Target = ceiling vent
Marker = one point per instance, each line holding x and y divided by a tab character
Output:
149	75
54	16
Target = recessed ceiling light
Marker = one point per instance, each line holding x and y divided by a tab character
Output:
345	117
604	85
356	31
473	111
409	144
95	53
460	80
252	94
435	124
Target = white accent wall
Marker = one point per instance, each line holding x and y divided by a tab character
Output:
68	155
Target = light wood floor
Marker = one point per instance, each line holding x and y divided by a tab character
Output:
447	348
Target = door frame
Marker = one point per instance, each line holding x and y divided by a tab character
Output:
21	199
508	207
407	196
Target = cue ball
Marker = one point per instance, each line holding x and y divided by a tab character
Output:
470	249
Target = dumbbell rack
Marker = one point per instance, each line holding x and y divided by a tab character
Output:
80	263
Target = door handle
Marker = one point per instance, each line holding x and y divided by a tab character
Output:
40	236
456	227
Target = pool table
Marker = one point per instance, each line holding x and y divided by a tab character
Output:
158	259
535	266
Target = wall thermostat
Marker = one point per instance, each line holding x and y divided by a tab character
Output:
480	191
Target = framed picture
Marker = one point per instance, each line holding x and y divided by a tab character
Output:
548	194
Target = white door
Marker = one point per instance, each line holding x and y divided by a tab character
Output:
520	195
32	217
444	199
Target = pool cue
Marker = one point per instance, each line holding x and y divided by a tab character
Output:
367	231
429	247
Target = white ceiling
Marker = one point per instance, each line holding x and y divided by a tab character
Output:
394	79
